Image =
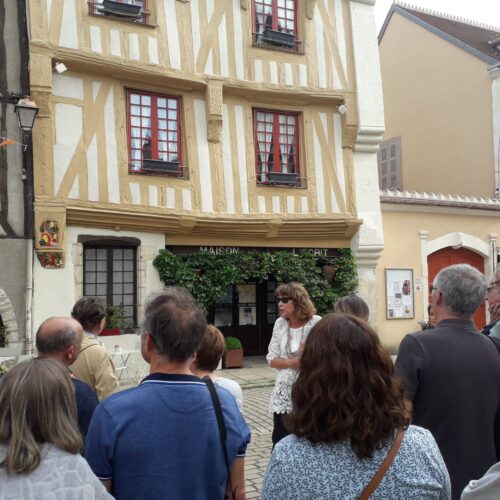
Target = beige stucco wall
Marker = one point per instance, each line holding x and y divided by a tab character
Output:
404	249
437	97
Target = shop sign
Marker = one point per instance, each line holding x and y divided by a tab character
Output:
216	250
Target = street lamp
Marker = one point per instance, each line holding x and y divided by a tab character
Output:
26	111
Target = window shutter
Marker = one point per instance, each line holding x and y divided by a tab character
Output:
389	164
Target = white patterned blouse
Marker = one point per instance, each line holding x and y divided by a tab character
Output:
284	341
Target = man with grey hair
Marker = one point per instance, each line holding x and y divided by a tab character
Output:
61	339
161	439
452	377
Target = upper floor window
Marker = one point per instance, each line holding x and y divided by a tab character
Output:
127	10
154	133
276	139
276	23
389	164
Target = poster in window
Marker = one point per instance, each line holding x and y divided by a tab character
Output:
400	294
248	315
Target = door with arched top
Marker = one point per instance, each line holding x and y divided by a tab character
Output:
448	256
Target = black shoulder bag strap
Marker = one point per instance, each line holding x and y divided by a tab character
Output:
222	427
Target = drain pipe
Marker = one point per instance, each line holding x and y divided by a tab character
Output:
29	296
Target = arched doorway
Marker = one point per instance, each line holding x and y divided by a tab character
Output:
449	256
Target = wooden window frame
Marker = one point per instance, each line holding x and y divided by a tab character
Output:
276	31
279	178
152	164
109	247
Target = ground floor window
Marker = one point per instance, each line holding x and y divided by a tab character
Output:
110	273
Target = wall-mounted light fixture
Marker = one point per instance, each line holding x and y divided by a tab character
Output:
60	67
342	109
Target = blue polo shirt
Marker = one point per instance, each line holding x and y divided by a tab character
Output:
160	440
86	402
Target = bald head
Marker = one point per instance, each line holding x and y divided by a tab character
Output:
59	338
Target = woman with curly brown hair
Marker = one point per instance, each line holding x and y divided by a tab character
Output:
289	334
348	410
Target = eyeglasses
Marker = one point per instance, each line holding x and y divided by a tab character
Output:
283	300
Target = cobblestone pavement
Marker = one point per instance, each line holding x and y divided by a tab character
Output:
255	407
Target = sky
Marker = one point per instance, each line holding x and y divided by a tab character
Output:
484	11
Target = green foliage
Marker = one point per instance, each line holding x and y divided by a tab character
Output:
115	318
232	343
207	275
3	369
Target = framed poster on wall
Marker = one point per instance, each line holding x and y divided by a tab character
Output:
399	292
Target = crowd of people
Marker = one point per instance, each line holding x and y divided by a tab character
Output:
348	423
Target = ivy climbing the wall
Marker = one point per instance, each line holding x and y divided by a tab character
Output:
207	275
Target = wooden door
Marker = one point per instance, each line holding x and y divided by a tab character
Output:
449	256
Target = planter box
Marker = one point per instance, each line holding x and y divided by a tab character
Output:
283	179
233	359
160	166
110	331
121	9
279	38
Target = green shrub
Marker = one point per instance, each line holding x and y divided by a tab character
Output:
232	344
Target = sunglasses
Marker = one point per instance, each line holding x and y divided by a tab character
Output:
283	300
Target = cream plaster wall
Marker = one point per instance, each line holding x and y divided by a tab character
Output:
405	247
438	98
66	284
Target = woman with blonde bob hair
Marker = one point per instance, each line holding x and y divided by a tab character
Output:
39	437
297	317
348	412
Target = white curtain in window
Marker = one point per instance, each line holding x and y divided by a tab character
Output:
264	141
264	14
283	142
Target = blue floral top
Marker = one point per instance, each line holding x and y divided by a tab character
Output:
301	470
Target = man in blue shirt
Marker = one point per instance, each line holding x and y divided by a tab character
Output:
61	339
161	440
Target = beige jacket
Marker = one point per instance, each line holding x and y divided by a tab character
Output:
94	367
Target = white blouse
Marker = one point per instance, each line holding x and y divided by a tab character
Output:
281	398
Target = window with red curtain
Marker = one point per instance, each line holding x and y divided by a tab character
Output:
278	16
276	143
154	130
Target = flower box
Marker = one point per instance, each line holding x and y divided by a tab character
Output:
160	166
121	9
282	178
282	38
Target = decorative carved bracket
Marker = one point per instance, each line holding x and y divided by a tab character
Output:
244	4
50	229
310	4
213	97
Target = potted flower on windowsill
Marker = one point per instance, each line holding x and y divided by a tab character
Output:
233	355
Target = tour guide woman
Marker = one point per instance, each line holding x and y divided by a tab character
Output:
289	334
348	413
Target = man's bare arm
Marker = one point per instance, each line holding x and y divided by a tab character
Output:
237	479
